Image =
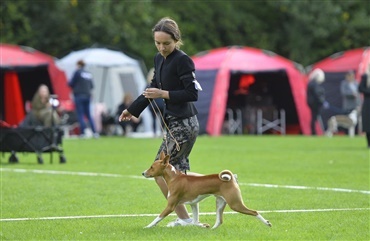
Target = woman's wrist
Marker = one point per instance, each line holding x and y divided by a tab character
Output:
165	94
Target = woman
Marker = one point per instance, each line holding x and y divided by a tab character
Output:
42	109
174	81
316	97
364	88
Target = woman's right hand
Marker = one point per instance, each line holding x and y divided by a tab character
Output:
125	116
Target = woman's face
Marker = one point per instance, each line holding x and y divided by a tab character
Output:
44	91
164	43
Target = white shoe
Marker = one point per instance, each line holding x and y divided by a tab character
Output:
180	222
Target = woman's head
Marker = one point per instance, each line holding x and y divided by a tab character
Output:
167	36
127	98
43	90
43	93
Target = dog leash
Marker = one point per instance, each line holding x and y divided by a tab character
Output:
162	119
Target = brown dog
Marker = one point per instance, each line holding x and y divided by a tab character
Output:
191	189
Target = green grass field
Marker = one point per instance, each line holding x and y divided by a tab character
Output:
310	188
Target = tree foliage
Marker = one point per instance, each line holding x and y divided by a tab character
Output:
304	31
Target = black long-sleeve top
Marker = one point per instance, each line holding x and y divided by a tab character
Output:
176	75
315	94
364	88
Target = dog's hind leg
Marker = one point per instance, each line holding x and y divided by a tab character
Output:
234	199
241	208
220	206
267	222
235	202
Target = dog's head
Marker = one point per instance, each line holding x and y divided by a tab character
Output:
157	168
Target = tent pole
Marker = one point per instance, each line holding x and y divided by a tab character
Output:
105	72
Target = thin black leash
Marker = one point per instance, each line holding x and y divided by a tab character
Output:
155	109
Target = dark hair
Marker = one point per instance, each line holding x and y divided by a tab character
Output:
81	63
169	26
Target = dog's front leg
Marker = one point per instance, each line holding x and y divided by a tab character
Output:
155	221
171	204
164	214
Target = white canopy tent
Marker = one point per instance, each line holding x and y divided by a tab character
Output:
115	74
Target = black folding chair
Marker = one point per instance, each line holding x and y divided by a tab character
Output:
32	139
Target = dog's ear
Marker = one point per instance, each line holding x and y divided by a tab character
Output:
166	160
162	155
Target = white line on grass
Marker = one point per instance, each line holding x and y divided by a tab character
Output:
304	187
154	215
141	177
94	174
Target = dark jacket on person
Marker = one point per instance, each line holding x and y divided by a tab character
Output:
315	94
364	88
176	75
81	83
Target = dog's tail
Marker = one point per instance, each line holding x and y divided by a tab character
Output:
225	175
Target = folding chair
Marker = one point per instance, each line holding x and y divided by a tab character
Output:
32	139
277	123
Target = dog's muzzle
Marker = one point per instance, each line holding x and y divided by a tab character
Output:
144	174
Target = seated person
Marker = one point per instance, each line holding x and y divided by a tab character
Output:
42	112
134	122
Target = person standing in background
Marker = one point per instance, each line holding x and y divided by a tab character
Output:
82	85
316	97
364	88
349	92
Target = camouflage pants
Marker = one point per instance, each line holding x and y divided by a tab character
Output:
185	132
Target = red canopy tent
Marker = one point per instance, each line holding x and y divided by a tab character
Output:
222	71
355	59
335	68
22	70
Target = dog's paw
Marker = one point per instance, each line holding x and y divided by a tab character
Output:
206	225
149	226
268	223
203	225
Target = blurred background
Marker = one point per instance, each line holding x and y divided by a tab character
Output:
303	32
